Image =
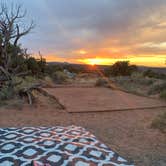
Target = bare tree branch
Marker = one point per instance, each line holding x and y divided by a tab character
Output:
10	30
23	74
6	73
23	33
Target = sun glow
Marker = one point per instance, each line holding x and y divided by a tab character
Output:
97	61
144	61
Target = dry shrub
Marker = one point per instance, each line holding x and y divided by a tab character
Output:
47	82
59	77
163	95
101	83
160	122
28	81
157	88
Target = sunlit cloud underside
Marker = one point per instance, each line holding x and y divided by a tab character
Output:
97	31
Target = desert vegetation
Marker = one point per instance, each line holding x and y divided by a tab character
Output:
120	68
130	78
15	63
160	122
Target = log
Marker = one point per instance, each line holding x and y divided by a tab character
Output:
45	93
27	91
23	74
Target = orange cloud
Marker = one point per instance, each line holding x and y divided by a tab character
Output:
54	58
151	60
83	52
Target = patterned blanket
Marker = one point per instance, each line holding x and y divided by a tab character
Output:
66	146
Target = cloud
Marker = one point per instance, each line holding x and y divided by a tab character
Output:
107	28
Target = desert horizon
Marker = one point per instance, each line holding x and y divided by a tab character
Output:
140	61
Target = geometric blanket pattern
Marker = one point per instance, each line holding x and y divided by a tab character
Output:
66	146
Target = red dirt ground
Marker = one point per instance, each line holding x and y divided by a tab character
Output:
127	132
101	99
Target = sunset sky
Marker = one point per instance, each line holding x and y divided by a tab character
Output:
97	31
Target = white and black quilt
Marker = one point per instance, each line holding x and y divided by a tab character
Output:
66	146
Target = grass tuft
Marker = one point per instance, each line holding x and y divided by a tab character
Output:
163	94
101	83
160	122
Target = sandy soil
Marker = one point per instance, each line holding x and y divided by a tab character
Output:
126	132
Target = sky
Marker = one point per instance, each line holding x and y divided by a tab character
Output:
97	31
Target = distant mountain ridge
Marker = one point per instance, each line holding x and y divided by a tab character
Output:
142	68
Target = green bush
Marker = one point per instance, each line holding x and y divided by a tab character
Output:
6	93
160	122
120	68
163	94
